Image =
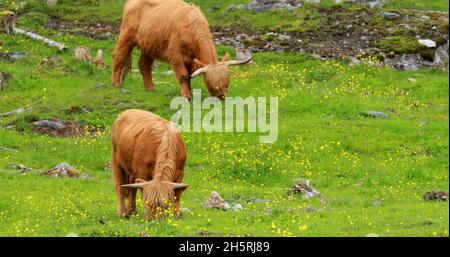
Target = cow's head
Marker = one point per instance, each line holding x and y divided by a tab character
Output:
216	76
159	197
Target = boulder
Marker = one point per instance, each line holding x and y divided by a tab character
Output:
215	201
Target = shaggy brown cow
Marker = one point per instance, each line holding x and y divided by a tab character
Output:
172	31
149	154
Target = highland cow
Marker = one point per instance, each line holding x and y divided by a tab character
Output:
147	154
172	31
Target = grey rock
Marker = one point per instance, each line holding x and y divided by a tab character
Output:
390	15
215	201
272	5
423	122
11	56
243	54
234	7
375	114
376	203
304	189
125	91
64	169
100	85
441	55
63	165
237	207
185	210
213	8
407	62
55	125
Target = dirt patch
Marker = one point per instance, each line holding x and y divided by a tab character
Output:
60	128
98	31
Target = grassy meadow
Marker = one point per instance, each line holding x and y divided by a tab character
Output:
372	172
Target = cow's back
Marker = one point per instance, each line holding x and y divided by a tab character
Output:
161	23
134	144
136	136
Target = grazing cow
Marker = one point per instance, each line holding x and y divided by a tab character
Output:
172	31
147	154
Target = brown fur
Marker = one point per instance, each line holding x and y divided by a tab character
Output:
172	31
145	148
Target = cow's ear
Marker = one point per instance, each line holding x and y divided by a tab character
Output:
139	180
198	64
226	57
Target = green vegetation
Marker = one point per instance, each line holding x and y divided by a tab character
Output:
401	45
421	5
372	173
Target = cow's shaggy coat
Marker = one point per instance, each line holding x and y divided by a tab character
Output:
172	31
148	154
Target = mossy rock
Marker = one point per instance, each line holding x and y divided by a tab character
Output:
402	45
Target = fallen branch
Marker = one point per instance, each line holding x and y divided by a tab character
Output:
40	38
20	110
17	111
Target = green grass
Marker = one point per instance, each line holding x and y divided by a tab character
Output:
439	5
354	161
111	11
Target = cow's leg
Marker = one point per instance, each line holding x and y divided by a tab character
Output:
131	199
183	77
121	64
119	180
145	66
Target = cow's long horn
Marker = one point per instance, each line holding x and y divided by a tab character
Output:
136	185
199	71
179	186
230	63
